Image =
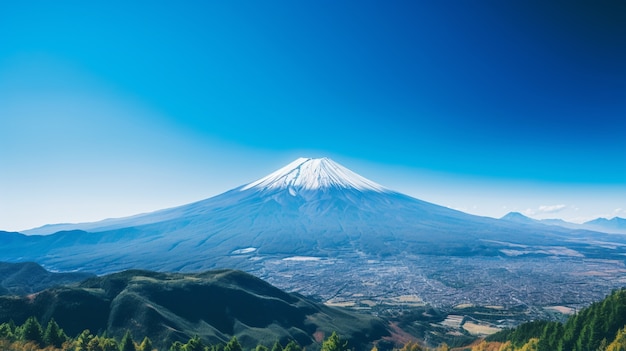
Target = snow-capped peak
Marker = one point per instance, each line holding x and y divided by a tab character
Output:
313	174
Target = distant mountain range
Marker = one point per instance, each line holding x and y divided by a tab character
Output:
616	225
214	305
297	222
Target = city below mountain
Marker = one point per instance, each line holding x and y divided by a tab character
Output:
316	221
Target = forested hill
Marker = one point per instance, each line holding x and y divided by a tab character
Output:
601	326
169	307
28	277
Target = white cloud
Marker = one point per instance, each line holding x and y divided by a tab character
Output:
551	209
544	209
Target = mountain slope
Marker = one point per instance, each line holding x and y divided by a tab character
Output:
293	225
214	305
583	331
29	277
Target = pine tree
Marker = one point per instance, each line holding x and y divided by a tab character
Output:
127	343
31	331
619	343
108	344
531	345
82	340
5	332
261	348
194	344
277	347
292	346
507	346
233	345
146	345
94	344
177	346
333	343
54	336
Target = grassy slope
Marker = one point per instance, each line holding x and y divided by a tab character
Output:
28	277
169	306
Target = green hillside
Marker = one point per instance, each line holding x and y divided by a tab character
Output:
214	305
28	277
600	326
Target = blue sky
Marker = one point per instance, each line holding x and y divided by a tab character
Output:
113	108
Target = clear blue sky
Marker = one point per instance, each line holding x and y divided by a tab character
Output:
112	108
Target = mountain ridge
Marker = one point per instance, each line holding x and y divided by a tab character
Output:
214	305
615	225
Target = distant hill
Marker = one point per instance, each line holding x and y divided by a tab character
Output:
519	218
214	305
29	277
614	225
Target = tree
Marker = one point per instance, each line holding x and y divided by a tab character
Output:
54	336
108	344
82	340
194	344
531	345
292	346
177	346
146	345
482	346
277	346
333	343
233	345
94	344
127	343
507	346
413	346
6	333
31	331
261	348
619	343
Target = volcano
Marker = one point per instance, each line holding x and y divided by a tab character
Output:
311	207
300	220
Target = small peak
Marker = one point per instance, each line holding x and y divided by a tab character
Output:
517	217
312	174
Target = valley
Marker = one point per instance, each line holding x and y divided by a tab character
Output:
472	296
532	283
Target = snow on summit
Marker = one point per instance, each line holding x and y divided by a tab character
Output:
313	174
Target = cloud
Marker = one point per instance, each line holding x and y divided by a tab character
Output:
551	209
545	209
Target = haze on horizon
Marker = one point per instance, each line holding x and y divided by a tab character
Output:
113	109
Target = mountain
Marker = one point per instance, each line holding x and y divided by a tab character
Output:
214	305
29	277
614	225
315	220
519	218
